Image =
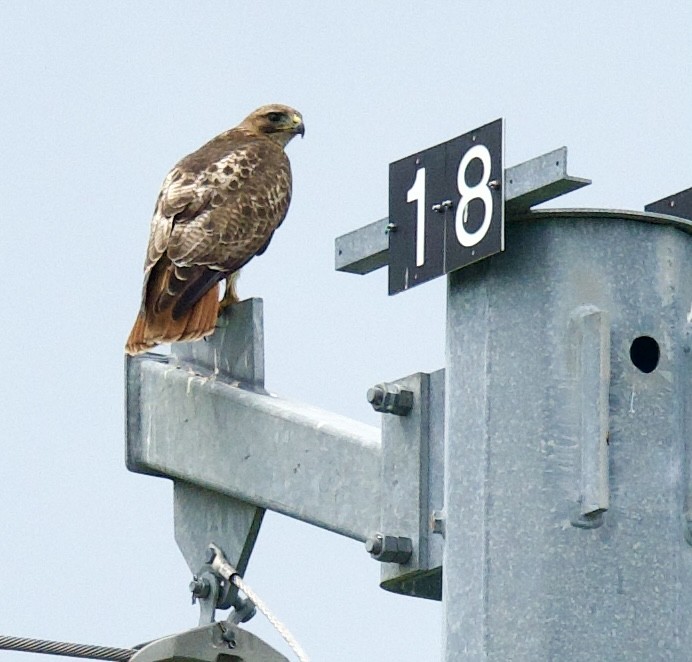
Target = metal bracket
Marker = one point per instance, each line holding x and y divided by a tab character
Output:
679	204
243	610
215	590
234	354
222	487
539	180
216	642
411	489
590	330
526	185
234	451
206	588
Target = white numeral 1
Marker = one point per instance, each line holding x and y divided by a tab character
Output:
417	194
468	193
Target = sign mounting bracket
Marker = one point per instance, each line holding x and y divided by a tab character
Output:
528	184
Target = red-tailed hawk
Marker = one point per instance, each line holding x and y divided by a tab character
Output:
217	209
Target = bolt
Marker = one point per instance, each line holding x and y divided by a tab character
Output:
200	588
390	399
375	396
373	545
229	637
437	522
494	184
389	549
391	227
443	206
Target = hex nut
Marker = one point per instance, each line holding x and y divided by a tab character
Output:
390	399
437	522
200	588
389	549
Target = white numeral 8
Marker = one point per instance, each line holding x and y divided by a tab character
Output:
479	191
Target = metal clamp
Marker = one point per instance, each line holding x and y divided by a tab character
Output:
213	587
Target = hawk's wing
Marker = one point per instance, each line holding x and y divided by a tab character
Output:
217	208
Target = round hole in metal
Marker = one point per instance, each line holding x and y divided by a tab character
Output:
645	353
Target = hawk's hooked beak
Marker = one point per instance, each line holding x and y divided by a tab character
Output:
298	126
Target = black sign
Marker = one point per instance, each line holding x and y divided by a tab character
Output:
446	207
679	204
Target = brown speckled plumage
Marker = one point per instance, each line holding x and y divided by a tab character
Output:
218	208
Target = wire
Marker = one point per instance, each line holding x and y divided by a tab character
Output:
219	564
224	569
280	627
68	650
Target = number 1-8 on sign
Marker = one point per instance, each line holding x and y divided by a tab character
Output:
446	207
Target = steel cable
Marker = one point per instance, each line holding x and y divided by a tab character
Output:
224	569
278	625
88	651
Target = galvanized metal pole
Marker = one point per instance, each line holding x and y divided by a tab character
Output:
568	431
567	400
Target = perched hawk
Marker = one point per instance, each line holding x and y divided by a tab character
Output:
217	209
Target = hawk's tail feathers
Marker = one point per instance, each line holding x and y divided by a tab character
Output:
150	330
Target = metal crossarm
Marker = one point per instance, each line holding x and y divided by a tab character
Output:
527	184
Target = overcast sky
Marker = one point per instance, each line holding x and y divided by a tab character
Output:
99	99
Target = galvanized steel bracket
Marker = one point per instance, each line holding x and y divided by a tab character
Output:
679	204
201	418
526	185
590	345
217	642
411	486
234	354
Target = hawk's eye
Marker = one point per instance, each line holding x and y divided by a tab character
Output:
274	117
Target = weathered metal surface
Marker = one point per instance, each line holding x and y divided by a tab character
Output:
236	353
193	426
235	350
519	581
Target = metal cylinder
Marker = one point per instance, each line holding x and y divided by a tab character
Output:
568	433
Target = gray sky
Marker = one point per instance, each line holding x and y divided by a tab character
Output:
99	100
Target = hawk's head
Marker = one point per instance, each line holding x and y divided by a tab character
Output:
277	122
